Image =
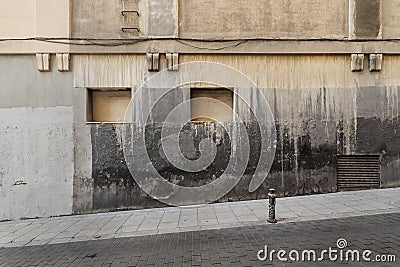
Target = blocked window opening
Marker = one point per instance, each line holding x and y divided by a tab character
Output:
355	172
209	107
107	105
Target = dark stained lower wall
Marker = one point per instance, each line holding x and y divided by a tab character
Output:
304	163
113	185
378	130
303	170
375	136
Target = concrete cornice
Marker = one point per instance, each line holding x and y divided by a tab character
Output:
208	47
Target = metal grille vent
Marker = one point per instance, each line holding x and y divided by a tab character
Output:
358	172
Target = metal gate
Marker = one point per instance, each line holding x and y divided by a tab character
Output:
356	172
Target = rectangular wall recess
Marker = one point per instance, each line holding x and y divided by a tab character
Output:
211	104
107	105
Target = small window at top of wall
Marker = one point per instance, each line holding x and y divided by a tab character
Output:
107	104
216	104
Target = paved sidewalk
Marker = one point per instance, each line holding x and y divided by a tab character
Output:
194	218
230	247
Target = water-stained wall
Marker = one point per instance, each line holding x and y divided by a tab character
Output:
321	109
253	19
266	19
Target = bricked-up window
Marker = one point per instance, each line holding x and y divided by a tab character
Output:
107	105
208	110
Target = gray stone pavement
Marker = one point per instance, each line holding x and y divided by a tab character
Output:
379	234
194	218
136	223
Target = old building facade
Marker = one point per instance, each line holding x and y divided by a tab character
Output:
330	71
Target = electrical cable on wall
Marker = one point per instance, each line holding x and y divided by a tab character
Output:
185	41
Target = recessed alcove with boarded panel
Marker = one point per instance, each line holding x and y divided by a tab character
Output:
107	105
210	110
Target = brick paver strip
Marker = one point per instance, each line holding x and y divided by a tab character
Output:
225	247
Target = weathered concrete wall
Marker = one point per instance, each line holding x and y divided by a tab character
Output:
36	150
321	109
118	71
98	19
103	19
316	19
378	129
266	19
163	18
113	186
36	130
391	18
83	182
263	19
324	96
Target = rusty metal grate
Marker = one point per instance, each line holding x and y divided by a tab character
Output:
358	172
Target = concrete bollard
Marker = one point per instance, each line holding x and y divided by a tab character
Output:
271	206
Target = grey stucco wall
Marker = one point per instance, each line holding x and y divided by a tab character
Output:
23	86
37	163
36	167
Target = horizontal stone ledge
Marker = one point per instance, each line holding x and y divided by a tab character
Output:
217	47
